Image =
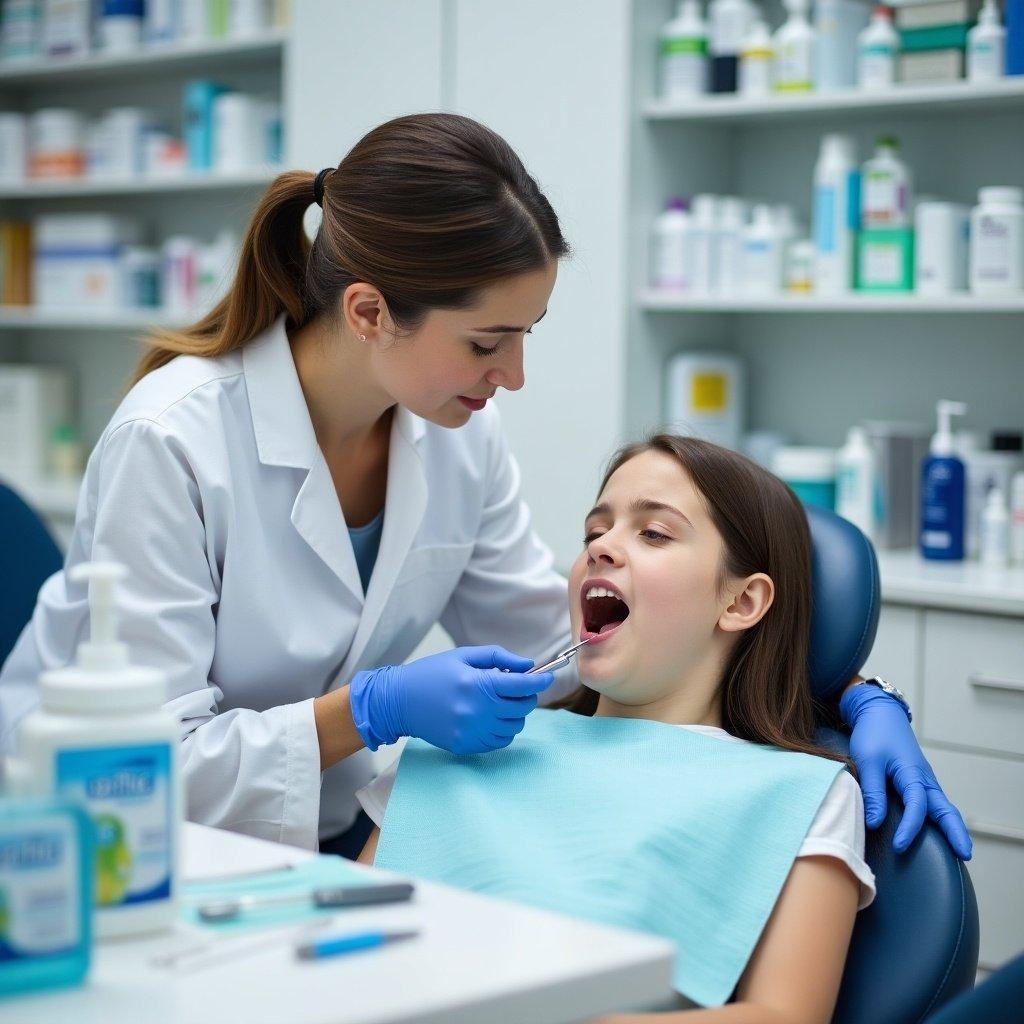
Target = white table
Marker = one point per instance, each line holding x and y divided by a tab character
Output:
477	961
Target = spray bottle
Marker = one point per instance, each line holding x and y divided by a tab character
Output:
102	738
942	490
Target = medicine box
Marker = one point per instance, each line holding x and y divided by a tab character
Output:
34	401
885	260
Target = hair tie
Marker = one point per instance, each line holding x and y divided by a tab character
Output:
318	186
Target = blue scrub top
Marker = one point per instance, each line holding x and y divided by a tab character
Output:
365	545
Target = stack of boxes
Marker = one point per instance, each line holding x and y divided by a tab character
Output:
933	39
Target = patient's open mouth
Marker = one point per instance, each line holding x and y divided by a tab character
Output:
604	610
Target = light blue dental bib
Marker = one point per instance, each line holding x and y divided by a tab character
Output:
626	822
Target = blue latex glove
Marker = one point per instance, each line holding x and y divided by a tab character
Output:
883	744
468	701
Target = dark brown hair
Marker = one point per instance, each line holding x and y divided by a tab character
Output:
765	689
428	208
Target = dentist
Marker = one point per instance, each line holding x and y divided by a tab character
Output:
306	480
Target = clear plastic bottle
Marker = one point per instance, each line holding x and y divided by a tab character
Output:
102	738
756	59
684	53
794	44
986	46
855	487
877	47
886	188
836	214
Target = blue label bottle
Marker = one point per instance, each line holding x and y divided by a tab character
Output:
942	492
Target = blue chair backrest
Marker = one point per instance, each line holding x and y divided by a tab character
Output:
28	555
916	946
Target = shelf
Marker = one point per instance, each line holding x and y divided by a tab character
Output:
31	317
656	301
939	98
907	578
172	58
192	181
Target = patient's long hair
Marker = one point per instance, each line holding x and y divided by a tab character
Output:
765	689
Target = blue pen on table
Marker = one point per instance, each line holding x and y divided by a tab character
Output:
337	945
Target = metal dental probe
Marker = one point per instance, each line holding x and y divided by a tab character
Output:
562	660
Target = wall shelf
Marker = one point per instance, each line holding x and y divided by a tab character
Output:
847	102
32	317
148	60
192	181
656	301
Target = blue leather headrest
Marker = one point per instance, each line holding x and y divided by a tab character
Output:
845	587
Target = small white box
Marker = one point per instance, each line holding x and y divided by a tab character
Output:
34	401
940	255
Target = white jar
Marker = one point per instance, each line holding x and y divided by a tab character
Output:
13	148
940	252
670	248
102	738
762	254
997	242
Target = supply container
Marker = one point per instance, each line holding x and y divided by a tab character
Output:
705	396
794	45
1014	37
997	242
122	143
940	254
757	58
836	214
943	490
762	253
119	29
855	481
141	266
160	26
878	45
13	148
1017	520
728	22
179	274
810	472
799	269
102	738
56	146
33	400
983	471
732	216
995	530
46	869
886	189
21	30
683	61
66	25
238	137
986	46
837	24
899	449
704	245
885	260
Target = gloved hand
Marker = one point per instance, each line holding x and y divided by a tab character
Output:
883	744
460	700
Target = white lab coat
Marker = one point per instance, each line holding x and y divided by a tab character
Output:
209	485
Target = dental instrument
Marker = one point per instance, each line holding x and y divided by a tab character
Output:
217	911
562	660
336	945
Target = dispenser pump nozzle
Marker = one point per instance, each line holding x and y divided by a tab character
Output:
102	650
942	439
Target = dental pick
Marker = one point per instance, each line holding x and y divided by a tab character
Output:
562	660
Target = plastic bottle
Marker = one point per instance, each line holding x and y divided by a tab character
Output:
794	44
1017	519
762	254
855	483
986	46
838	24
836	214
877	47
727	28
731	222
995	531
704	396
997	242
886	187
684	53
704	245
798	270
670	249
942	490
756	59
102	738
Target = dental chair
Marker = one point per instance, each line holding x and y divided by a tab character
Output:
916	946
28	556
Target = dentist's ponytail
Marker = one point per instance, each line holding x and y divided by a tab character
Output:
428	208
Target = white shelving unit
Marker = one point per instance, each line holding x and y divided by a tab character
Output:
817	365
99	346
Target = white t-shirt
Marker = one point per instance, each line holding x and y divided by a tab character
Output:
837	830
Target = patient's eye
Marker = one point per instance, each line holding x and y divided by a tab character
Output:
654	535
590	535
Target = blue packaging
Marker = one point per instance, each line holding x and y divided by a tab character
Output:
943	490
46	853
198	122
1014	19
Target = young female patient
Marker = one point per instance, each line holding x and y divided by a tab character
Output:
679	791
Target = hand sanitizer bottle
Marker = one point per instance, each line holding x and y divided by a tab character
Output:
942	491
102	738
986	46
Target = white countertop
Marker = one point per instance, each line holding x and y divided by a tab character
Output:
477	961
907	578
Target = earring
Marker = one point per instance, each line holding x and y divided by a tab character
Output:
362	337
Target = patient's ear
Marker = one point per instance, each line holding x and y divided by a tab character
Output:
749	600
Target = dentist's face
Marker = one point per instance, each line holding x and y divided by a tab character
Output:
651	543
448	369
